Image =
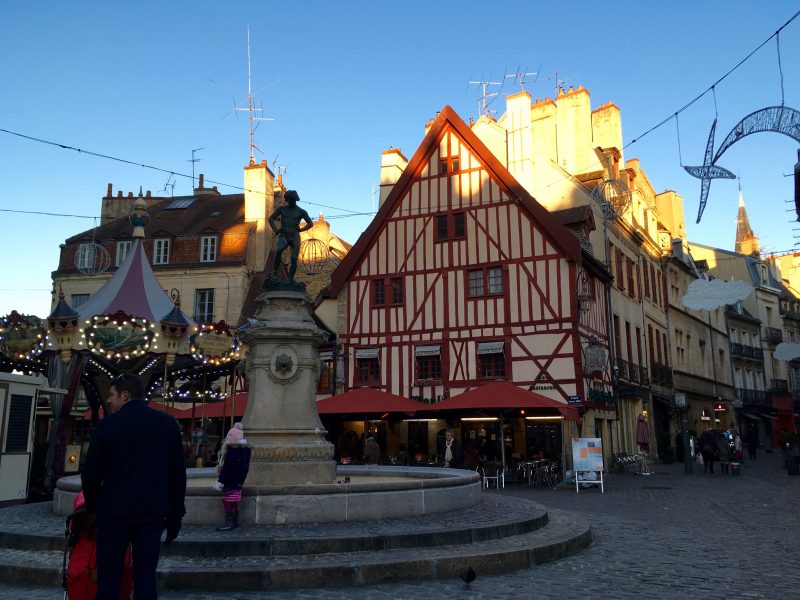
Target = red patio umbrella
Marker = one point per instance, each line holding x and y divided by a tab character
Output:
368	400
501	394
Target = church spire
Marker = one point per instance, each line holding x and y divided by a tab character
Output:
746	240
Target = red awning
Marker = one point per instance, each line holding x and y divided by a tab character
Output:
368	400
499	395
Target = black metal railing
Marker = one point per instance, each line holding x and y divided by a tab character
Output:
752	396
631	372
661	374
743	351
773	335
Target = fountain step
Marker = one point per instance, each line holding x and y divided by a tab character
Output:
563	535
34	527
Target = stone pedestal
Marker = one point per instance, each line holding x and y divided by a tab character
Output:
281	422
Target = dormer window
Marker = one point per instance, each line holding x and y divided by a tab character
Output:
208	248
161	251
123	249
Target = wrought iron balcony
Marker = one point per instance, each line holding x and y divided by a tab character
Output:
631	372
752	396
743	351
772	335
661	374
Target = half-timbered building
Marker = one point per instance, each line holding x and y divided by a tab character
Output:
464	278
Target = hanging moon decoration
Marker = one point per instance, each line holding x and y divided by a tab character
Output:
779	119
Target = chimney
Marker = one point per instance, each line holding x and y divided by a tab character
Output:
259	200
393	163
201	188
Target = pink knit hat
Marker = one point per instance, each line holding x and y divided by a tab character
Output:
235	435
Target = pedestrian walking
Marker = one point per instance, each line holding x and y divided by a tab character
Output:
708	448
723	452
134	480
751	439
235	464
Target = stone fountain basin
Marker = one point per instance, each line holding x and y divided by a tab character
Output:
374	492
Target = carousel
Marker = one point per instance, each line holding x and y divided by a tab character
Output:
130	325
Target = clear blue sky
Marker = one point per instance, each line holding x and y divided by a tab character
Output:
150	81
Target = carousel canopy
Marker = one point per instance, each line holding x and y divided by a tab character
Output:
133	290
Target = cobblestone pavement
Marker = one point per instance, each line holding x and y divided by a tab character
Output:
664	536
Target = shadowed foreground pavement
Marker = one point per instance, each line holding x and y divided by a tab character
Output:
667	535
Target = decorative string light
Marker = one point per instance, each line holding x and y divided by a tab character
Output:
218	332
24	337
97	335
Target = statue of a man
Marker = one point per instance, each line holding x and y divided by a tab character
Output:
290	216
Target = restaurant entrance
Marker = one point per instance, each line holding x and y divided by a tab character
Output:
484	436
543	438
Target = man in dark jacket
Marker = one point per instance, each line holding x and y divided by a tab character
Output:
449	451
134	480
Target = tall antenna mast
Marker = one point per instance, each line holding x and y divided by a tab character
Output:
519	77
194	160
486	96
250	108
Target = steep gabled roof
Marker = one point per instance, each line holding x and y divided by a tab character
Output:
447	119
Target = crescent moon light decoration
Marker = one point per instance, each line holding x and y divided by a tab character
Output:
780	119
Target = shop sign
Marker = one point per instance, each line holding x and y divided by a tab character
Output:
720	407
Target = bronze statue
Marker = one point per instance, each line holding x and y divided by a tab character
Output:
290	216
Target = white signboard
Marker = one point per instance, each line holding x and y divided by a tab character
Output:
587	462
587	454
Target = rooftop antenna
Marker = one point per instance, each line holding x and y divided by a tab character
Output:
193	160
169	184
374	191
559	83
486	96
519	77
250	108
279	170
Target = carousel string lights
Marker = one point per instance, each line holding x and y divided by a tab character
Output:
23	337
214	344
119	335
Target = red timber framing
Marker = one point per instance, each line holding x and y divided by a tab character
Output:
504	285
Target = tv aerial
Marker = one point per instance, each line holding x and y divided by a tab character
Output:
487	96
520	75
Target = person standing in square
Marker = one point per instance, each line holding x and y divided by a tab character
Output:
134	481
